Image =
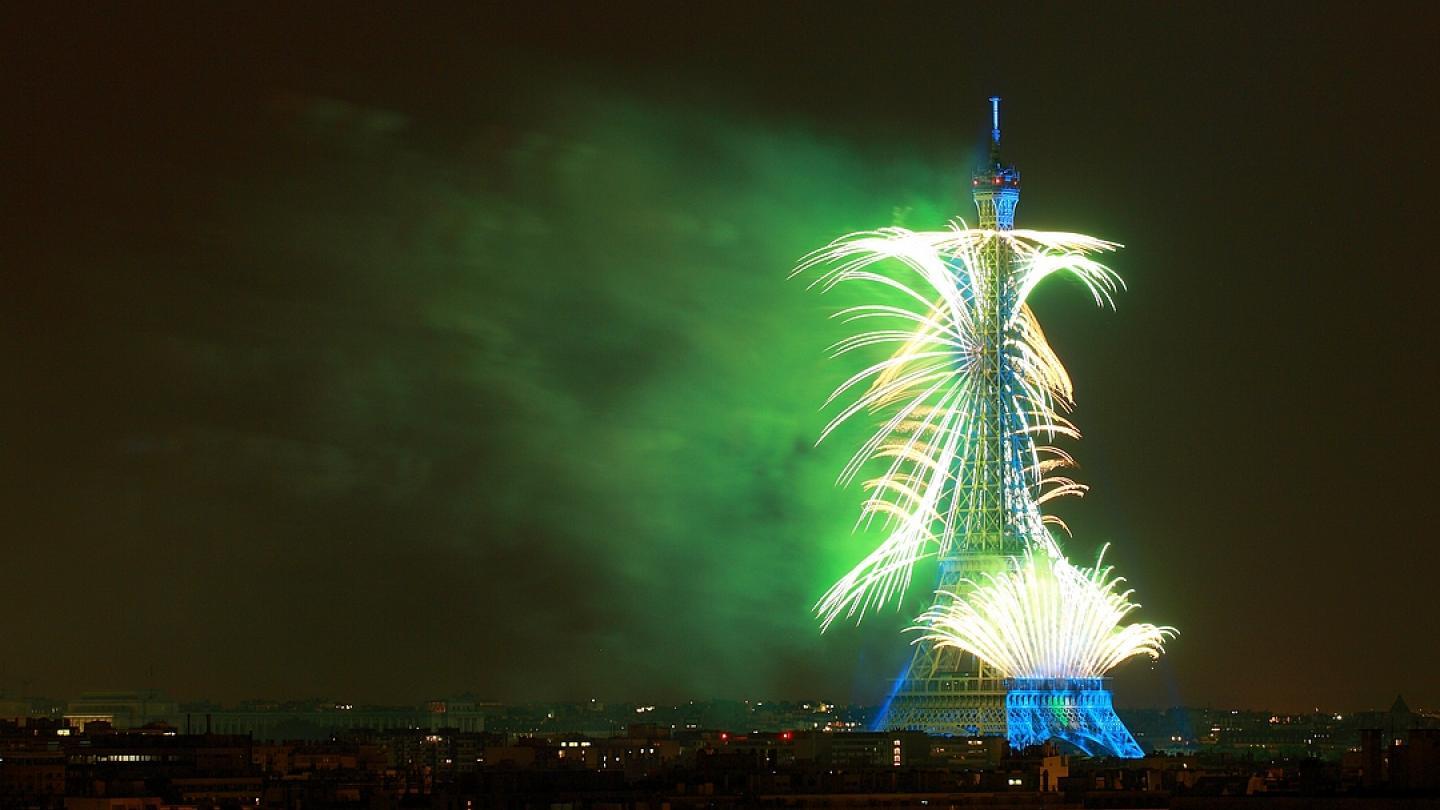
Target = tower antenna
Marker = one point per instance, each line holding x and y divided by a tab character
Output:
995	130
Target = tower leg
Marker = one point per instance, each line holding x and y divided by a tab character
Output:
1078	711
947	692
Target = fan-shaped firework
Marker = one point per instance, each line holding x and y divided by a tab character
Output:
1045	618
965	340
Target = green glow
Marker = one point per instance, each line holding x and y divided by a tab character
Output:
612	375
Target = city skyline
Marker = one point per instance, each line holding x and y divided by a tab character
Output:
57	703
383	356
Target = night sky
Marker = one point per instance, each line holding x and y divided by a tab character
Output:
382	356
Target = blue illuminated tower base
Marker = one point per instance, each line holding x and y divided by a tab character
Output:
1078	711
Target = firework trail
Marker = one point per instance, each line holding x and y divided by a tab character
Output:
968	353
1045	618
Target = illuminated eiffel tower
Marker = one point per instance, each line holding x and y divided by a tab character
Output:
946	691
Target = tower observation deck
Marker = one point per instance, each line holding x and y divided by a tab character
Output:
995	186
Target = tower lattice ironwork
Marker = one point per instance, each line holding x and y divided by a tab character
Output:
945	691
1076	710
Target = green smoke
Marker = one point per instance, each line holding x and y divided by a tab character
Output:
621	388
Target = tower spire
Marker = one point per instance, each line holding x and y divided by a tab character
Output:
994	130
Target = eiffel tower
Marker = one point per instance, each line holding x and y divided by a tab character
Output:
946	691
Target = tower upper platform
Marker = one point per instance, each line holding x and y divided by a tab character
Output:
995	187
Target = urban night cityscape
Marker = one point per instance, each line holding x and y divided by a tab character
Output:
638	405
